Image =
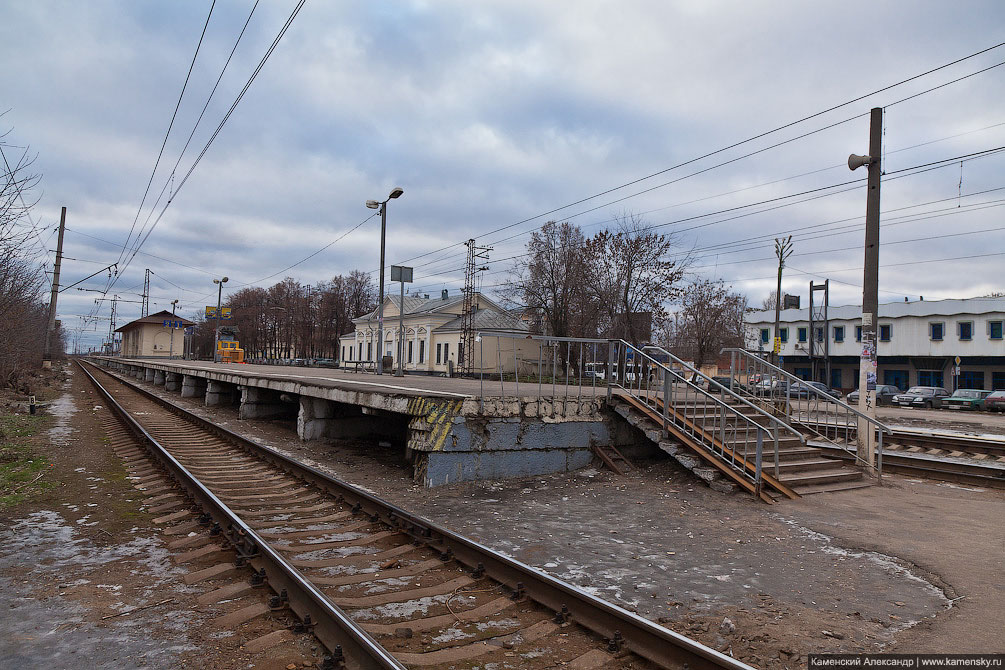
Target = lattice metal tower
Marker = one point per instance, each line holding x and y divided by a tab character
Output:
145	307
819	349
465	358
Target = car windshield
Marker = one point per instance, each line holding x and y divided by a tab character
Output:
966	393
920	390
997	394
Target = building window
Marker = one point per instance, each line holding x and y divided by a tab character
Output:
409	351
765	335
839	333
343	352
998	381
783	334
858	333
885	331
446	352
966	330
460	353
359	356
995	330
369	351
422	351
801	334
935	331
970	379
819	334
438	348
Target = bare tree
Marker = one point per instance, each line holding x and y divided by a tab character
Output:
552	280
710	318
768	304
634	273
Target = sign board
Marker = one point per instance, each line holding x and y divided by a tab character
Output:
956	371
401	273
211	312
867	318
778	345
958	360
171	323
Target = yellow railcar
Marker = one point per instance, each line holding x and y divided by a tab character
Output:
229	351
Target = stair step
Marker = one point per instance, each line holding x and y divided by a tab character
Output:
820	477
809	489
804	464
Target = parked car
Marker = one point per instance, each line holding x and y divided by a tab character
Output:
812	390
921	396
966	399
772	387
884	395
737	386
995	402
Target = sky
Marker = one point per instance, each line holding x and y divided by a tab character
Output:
495	117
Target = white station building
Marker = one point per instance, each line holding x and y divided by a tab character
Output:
917	343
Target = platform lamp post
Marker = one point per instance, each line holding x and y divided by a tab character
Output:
174	303
382	206
216	332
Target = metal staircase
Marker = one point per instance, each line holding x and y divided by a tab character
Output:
746	440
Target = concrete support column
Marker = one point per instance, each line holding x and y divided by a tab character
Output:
259	403
219	393
136	372
192	386
148	374
172	381
158	377
319	419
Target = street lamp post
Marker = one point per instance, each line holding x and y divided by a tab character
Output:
174	303
373	204
216	335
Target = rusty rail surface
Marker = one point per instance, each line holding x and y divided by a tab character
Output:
622	631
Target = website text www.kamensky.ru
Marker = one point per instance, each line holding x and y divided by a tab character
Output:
905	661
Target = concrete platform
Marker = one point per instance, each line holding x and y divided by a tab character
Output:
451	429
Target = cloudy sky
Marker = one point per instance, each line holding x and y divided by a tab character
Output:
496	116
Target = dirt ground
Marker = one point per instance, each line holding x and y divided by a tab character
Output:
82	549
910	566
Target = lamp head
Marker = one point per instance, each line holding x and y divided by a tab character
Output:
372	204
225	280
396	192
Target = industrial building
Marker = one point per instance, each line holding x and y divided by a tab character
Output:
918	343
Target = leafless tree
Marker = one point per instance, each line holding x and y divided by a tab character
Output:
552	281
768	304
634	273
709	319
22	279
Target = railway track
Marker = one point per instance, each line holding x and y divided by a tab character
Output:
378	586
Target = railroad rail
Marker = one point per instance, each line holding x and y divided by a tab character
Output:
365	575
936	442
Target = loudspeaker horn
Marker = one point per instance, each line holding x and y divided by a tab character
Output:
856	161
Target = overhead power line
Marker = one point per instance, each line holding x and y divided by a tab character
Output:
167	133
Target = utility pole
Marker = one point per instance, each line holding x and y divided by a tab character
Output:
466	358
174	303
870	289
51	324
145	307
783	249
219	315
111	327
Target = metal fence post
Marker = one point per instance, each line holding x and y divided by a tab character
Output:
880	454
610	368
757	462
481	374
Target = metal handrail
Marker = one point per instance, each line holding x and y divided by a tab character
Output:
823	396
727	390
711	397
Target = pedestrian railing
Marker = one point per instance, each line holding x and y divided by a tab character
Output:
816	412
